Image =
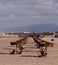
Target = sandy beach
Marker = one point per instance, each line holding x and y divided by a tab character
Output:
29	55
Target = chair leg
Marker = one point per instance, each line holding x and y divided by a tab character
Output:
13	51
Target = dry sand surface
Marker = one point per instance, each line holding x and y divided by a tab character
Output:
29	55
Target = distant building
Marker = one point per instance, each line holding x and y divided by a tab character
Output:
55	35
3	34
26	32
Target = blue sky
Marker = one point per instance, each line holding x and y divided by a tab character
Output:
14	13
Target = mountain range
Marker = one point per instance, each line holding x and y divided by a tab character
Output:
50	27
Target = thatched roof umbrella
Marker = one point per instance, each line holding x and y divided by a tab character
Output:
42	43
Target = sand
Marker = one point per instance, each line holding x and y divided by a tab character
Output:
29	55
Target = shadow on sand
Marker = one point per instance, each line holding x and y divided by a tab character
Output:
30	47
28	56
4	53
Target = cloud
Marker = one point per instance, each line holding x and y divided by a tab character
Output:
55	1
28	10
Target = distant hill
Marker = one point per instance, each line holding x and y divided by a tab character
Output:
35	28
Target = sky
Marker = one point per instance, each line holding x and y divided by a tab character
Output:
15	13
